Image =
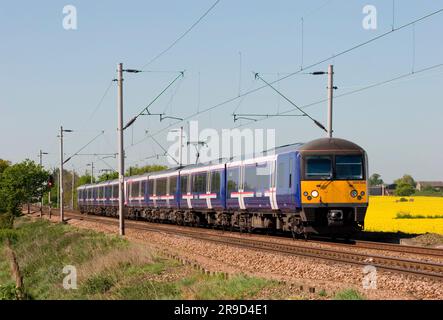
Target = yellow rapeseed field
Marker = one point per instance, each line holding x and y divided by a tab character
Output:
383	211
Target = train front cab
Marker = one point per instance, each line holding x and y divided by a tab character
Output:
334	191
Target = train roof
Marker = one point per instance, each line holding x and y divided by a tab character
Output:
322	145
330	145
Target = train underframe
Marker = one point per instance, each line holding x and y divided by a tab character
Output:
332	221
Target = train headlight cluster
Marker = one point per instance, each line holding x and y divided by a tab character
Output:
314	194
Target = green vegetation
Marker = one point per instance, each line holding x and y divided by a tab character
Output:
375	180
348	294
405	186
21	183
132	171
108	267
216	287
323	293
429	192
407	215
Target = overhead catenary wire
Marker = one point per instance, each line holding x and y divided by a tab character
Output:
377	84
166	152
341	53
97	107
317	123
82	148
146	109
182	35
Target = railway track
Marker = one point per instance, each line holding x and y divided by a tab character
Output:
389	247
417	268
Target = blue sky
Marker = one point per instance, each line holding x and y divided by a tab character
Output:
52	77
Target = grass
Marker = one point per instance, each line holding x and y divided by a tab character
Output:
348	294
407	215
108	267
43	249
218	288
388	214
323	293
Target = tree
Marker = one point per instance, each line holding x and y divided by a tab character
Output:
407	179
108	176
21	183
404	190
133	171
375	180
3	165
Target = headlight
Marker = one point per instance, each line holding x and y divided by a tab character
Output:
354	193
314	194
305	193
362	193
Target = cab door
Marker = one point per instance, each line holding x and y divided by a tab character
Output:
286	184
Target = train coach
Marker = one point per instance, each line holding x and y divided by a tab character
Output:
318	187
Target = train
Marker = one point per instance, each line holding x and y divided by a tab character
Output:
314	188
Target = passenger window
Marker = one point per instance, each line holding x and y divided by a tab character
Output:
215	181
199	182
151	187
282	174
172	185
233	178
143	188
184	183
161	187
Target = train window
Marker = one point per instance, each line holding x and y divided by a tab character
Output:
100	192
151	187
282	171
115	191
319	167
349	167
250	183
256	177
143	188
172	185
263	176
135	189
108	191
215	181
161	187
199	182
184	184
233	179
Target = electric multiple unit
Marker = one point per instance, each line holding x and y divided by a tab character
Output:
315	188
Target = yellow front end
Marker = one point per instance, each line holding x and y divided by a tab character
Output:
334	192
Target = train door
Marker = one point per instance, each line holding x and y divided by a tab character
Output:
256	185
199	185
272	193
285	182
233	187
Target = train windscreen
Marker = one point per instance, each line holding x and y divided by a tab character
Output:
349	167
319	168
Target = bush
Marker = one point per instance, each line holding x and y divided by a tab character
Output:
407	215
98	284
6	220
349	294
8	234
404	190
8	292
